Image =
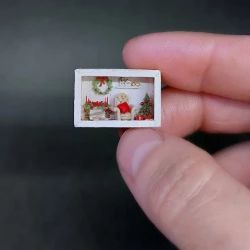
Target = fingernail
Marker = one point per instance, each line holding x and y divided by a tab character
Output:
134	147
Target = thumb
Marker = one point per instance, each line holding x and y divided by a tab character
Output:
184	192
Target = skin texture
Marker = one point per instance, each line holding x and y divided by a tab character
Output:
196	200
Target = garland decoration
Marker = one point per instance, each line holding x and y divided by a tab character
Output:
99	82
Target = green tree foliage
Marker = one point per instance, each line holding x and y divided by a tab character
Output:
146	106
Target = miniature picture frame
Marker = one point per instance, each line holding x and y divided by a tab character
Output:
117	98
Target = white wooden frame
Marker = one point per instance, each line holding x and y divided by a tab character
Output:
79	73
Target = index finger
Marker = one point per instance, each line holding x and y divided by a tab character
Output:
197	62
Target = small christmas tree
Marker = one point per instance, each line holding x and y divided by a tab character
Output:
146	108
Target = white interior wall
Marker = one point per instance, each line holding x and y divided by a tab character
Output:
135	95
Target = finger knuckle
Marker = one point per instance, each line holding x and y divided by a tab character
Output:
176	186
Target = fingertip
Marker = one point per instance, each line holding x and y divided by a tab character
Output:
128	52
135	48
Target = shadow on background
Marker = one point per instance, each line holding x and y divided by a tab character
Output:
60	187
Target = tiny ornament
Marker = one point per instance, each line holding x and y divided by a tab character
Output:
117	98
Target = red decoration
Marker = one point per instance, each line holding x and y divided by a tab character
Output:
102	80
143	117
124	107
139	117
97	103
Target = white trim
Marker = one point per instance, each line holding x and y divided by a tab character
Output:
79	73
117	124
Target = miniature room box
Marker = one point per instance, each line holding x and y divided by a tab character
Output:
117	98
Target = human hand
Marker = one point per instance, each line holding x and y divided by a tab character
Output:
196	200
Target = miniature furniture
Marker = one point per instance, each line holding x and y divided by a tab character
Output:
95	110
97	114
122	108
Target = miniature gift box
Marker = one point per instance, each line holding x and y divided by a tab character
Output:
117	98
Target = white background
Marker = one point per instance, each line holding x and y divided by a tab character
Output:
135	95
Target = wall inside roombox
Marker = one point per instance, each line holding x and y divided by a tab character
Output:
135	94
59	186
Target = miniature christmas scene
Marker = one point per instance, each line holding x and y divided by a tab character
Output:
117	98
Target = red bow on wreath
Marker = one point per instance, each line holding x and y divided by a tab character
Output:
102	80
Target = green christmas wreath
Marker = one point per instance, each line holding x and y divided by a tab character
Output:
98	82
